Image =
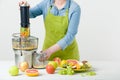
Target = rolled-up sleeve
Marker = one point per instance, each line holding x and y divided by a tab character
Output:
72	29
37	10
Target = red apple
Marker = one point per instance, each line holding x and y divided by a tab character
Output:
50	69
58	60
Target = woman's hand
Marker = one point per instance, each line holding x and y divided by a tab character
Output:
23	2
43	56
51	50
47	53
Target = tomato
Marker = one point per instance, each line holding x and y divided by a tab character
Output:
50	69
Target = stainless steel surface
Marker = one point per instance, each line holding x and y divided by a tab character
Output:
24	48
25	57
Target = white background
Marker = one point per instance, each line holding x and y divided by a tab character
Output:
98	35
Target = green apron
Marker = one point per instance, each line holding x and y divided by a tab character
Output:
56	28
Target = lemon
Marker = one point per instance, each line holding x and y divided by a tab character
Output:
63	62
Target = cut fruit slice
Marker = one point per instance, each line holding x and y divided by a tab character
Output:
72	62
32	72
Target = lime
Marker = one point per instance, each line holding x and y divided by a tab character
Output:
13	71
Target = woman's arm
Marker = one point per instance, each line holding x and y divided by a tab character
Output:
72	29
37	10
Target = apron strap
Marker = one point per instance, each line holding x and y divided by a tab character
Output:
66	13
49	9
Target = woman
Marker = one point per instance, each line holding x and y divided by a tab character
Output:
61	19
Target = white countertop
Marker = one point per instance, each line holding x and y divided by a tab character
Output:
105	70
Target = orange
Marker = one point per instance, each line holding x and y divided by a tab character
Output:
23	66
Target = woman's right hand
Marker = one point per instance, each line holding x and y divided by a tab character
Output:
23	2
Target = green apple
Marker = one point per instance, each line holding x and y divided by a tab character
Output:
13	71
53	63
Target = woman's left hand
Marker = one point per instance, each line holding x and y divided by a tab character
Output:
43	56
51	50
47	53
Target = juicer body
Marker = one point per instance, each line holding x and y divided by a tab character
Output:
24	49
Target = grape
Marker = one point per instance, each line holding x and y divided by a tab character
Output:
67	71
60	72
69	67
70	72
91	73
63	72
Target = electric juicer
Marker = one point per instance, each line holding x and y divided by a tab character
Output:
24	45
